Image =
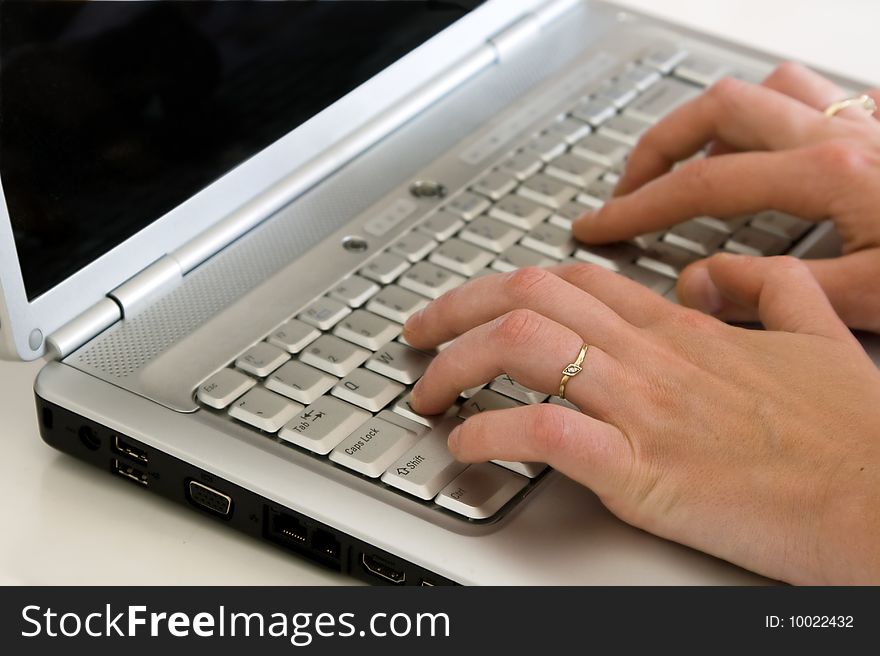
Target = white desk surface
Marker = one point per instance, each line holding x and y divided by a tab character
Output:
63	522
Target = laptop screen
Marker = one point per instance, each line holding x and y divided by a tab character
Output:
113	113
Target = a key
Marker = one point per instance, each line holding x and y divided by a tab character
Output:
404	409
354	291
484	400
594	111
334	355
641	77
661	99
751	241
550	240
566	215
494	185
654	281
367	390
261	359
519	212
507	386
619	93
293	336
666	259
546	146
223	388
546	190
400	362
611	256
695	237
527	469
300	382
396	303
596	193
441	226
701	70
385	267
427	467
626	129
573	170
429	279
522	165
778	223
517	257
264	410
724	225
324	313
648	239
373	446
467	205
461	257
569	129
600	150
664	57
470	392
323	425
491	234
480	491
367	329
414	246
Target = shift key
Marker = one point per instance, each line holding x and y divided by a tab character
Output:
427	467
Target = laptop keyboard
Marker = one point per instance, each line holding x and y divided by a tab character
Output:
334	380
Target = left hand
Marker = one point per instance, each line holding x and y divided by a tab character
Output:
760	447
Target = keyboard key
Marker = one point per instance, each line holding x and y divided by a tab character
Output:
490	234
778	223
373	446
431	280
261	359
527	469
641	77
354	290
334	355
367	329
666	259
695	237
573	170
441	226
461	257
522	165
619	93
724	225
385	267
485	400
568	130
701	70
611	256
300	382
654	281
550	240
264	410
648	239
751	241
495	184
396	303
507	386
661	99
223	388
595	111
481	490
566	215
519	212
367	390
294	336
400	362
548	191
596	193
324	313
404	409
323	425
664	57
546	146
467	205
517	257
600	150
414	246
625	129
427	467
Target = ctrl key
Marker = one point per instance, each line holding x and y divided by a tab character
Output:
428	467
481	491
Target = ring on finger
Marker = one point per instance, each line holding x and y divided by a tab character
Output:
864	101
572	369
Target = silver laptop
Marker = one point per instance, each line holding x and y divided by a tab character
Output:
216	218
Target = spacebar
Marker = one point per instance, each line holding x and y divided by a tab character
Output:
427	467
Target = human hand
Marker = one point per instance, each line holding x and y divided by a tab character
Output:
759	447
772	148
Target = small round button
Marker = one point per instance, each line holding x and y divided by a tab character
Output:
427	189
355	244
35	340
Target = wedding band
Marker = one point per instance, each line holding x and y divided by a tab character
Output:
865	101
572	369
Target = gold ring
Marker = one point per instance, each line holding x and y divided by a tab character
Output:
572	369
864	101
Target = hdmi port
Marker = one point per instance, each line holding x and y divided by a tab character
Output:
378	566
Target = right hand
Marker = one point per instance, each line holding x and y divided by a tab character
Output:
771	147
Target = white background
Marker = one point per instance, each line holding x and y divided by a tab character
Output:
64	522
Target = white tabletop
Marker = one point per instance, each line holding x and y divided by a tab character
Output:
65	523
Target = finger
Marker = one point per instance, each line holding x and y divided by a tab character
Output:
875	94
744	116
590	451
527	346
782	289
799	181
489	297
804	85
632	301
839	278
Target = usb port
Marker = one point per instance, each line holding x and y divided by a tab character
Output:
378	566
130	450
131	473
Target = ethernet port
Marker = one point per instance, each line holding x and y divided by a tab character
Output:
289	529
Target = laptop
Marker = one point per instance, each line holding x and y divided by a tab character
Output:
217	216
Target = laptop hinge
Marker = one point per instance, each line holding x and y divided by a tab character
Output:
80	330
135	293
514	36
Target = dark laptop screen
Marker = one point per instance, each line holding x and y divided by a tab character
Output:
113	113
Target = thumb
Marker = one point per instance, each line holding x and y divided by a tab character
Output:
781	291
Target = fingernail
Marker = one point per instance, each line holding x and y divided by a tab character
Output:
454	436
701	293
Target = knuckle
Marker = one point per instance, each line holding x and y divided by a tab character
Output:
725	92
689	321
698	173
517	328
843	158
785	266
523	283
586	272
786	71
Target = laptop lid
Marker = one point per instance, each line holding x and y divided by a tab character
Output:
129	129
